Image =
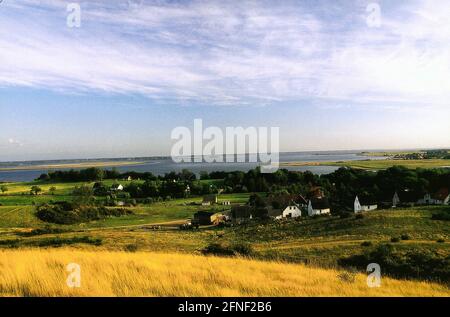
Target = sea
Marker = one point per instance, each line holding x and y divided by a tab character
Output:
162	165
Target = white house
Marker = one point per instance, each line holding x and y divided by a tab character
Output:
117	187
292	211
395	200
442	197
318	206
365	206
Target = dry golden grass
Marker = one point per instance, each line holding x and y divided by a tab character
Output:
43	273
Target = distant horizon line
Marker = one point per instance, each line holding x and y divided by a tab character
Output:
247	153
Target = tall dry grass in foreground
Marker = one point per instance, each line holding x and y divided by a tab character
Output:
43	273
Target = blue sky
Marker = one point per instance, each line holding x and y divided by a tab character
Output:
135	70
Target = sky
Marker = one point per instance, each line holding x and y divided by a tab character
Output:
332	75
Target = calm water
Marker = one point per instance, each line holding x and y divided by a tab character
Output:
159	166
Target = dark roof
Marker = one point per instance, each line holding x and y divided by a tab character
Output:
209	198
241	211
285	200
320	203
367	200
441	194
202	213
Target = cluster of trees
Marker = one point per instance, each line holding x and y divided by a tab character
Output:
340	186
96	174
84	175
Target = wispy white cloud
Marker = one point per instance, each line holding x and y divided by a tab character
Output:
236	52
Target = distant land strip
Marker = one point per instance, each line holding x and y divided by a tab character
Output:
376	164
72	165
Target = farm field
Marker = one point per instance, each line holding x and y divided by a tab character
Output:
160	274
377	164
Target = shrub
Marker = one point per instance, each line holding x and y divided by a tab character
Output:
405	237
224	249
419	264
70	213
359	216
131	247
41	231
218	249
345	215
242	248
440	240
395	239
441	216
58	242
366	244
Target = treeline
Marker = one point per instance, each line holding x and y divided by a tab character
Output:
96	174
340	187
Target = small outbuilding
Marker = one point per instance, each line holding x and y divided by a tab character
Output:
318	206
364	204
209	200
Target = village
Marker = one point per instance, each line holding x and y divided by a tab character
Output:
289	206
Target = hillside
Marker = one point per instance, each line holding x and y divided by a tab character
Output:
160	274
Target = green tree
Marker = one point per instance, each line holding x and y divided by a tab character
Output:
4	188
83	195
52	190
35	190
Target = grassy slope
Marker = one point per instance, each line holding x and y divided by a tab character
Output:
159	274
322	241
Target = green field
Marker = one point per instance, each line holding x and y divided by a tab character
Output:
378	164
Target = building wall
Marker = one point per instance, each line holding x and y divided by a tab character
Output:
293	210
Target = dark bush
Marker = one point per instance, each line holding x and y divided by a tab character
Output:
68	213
359	216
440	240
441	216
58	242
41	231
345	215
225	249
366	244
131	247
395	239
405	237
218	249
242	248
419	264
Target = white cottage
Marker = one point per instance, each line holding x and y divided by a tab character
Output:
292	211
360	206
318	206
117	187
395	200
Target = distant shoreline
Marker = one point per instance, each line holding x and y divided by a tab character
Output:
377	164
71	165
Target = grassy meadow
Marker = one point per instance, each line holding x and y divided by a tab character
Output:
119	251
43	273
